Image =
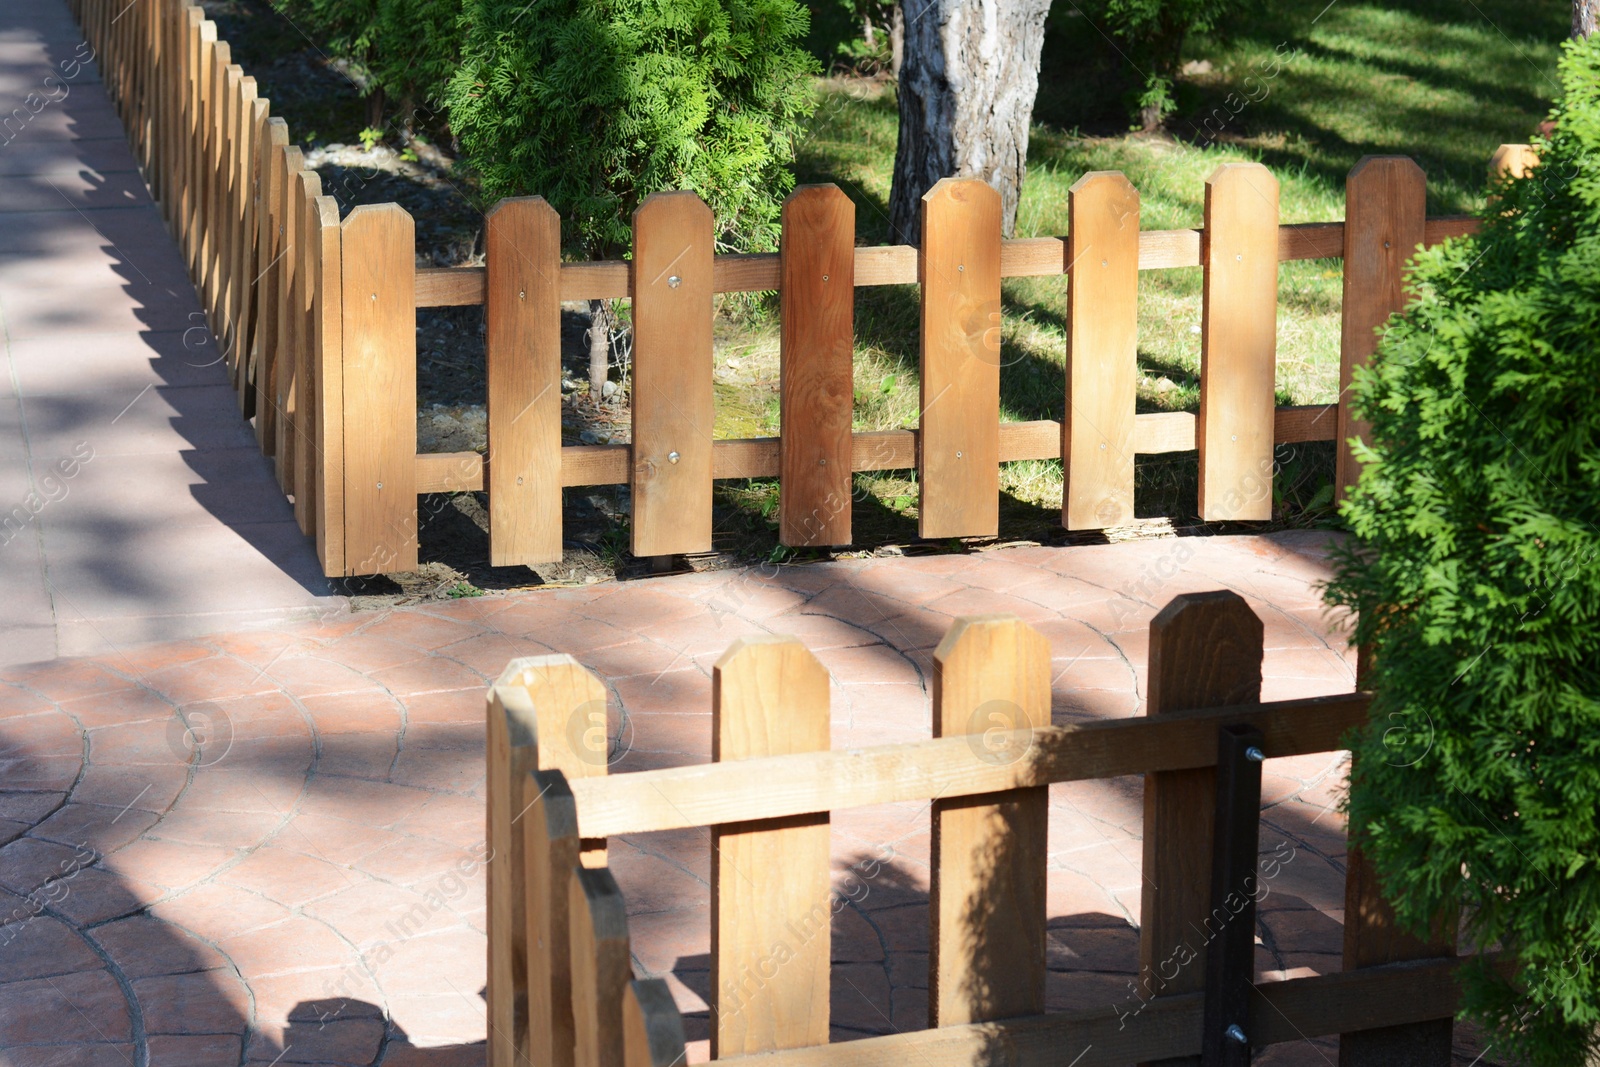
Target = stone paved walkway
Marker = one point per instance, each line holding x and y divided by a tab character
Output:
307	886
134	505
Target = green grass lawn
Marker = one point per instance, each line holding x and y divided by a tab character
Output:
1443	81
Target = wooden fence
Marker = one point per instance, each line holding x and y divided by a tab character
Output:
561	987
316	317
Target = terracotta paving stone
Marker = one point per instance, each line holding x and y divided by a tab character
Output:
332	852
41	946
100	827
86	1007
200	1002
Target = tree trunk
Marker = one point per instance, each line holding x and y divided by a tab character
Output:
599	348
967	82
897	39
1585	14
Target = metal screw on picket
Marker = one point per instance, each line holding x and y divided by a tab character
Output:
958	455
672	457
674	281
1236	1034
1240	257
961	266
380	485
1254	754
822	463
522	294
824	277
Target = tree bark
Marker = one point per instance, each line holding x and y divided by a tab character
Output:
897	39
599	348
1585	15
968	77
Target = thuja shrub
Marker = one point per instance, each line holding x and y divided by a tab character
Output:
595	104
1475	570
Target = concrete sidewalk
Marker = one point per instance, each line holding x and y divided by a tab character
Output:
134	505
307	886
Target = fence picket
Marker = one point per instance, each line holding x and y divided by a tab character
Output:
307	188
601	966
247	266
1238	343
230	77
512	757
769	881
228	298
958	460
816	391
200	31
286	186
522	252
1205	652
550	850
987	888
1385	210
328	354
652	1028
269	246
672	366
1097	435
380	389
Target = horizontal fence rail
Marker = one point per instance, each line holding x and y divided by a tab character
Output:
314	318
563	990
1024	257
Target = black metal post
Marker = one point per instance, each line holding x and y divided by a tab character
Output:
1231	926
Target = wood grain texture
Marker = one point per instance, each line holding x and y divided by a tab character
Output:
454	472
571	712
771	914
550	847
380	390
328	357
287	164
1238	344
512	755
271	272
817	347
672	391
601	966
991	677
256	261
1372	938
1205	652
1385	212
707	794
959	270
652	1028
522	245
245	269
1168	1027
307	189
1102	351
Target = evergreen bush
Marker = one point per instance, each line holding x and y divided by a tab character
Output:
1475	570
595	104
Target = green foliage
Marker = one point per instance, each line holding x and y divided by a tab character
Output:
1476	575
407	48
1153	32
595	104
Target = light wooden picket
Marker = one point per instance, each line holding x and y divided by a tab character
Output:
766	797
